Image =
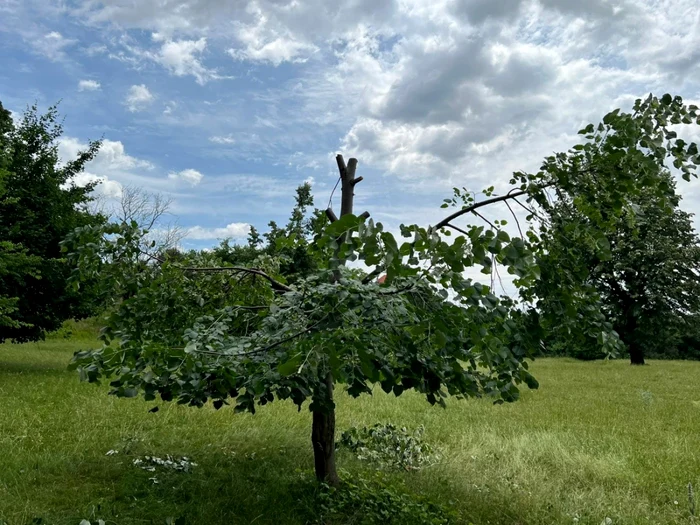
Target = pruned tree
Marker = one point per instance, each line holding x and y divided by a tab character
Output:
426	327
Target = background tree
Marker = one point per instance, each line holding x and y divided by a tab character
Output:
333	326
647	285
150	211
39	206
289	245
5	123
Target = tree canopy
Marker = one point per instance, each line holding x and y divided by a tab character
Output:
648	285
39	206
249	335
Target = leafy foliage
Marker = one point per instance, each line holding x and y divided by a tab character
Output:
39	206
649	285
288	245
363	502
389	445
634	256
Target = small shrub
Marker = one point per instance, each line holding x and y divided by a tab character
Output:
389	446
362	502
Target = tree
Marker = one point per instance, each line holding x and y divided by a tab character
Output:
427	327
39	206
289	245
149	211
5	123
649	284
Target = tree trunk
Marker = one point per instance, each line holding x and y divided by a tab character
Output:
323	428
636	354
631	338
323	439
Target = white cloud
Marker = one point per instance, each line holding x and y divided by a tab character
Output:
106	187
169	107
235	230
51	45
88	85
275	51
220	139
190	176
111	156
182	58
138	97
96	49
112	166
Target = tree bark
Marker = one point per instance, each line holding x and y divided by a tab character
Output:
636	354
636	351
323	439
323	427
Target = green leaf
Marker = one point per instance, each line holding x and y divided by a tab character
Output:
289	367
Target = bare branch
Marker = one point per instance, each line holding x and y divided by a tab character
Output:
515	217
484	219
148	210
460	230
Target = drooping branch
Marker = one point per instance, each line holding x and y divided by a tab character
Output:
285	339
374	273
493	226
470	209
515	218
276	285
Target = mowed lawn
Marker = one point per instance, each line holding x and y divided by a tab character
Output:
597	440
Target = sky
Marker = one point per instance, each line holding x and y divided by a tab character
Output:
226	106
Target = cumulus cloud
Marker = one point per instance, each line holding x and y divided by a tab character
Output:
112	167
190	176
138	98
112	155
235	230
108	188
181	57
88	85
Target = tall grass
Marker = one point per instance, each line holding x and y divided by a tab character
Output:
597	440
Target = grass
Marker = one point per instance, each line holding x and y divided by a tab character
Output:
597	440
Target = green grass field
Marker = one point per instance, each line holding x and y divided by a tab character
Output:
597	440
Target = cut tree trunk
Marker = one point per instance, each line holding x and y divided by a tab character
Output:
323	427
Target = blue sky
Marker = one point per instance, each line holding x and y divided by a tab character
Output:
226	106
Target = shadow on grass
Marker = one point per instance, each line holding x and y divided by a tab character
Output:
25	368
241	488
